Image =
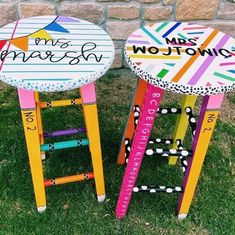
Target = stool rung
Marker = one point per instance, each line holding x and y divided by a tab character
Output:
64	144
158	189
64	132
169	110
160	141
58	103
168	152
68	179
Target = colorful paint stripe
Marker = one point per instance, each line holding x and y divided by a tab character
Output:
227	63
182	36
231	71
187	65
151	36
195	33
207	62
163	25
136	36
138	42
155	57
232	79
171	29
170	64
160	49
162	73
196	27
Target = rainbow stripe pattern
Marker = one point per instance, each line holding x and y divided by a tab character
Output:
183	57
53	53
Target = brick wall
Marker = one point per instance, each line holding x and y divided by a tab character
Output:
120	18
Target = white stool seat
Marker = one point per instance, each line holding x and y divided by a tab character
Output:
183	57
53	53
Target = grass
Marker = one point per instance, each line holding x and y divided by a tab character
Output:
73	208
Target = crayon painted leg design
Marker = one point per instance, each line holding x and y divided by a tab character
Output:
206	123
140	140
31	129
130	128
92	126
182	124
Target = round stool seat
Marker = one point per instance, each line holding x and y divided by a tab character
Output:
183	57
53	53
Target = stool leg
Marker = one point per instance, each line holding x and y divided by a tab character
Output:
206	123
31	129
140	140
39	120
92	127
182	124
130	127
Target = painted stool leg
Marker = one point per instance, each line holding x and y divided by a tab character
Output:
206	123
92	126
39	120
130	128
146	120
31	129
182	124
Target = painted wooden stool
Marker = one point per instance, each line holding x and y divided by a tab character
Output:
185	58
50	54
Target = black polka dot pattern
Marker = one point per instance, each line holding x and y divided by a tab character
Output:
49	104
175	87
179	144
157	189
168	152
160	141
127	149
86	176
184	164
183	160
136	111
191	120
73	102
169	110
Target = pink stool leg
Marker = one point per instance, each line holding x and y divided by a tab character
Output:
206	123
145	123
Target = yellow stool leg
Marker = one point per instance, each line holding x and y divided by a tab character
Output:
182	124
31	129
93	133
39	120
205	126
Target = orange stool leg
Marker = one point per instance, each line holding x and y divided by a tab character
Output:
130	128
